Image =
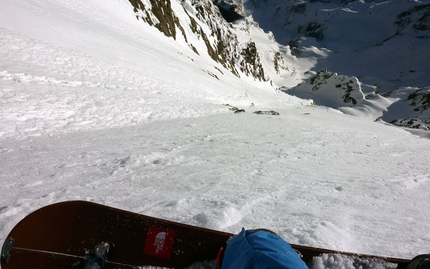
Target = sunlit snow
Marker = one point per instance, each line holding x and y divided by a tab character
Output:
96	105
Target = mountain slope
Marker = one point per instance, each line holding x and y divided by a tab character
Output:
379	42
62	51
328	34
357	38
383	44
201	25
99	105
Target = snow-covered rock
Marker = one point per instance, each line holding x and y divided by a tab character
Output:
383	43
343	93
412	110
330	89
406	107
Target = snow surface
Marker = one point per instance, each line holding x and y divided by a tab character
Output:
360	38
98	106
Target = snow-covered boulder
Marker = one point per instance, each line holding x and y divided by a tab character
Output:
330	89
344	93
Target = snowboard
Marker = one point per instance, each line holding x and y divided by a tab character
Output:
75	233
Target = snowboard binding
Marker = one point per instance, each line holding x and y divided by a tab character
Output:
96	259
7	247
420	262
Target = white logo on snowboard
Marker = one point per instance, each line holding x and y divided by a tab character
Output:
160	239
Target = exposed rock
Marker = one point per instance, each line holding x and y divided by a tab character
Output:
267	112
420	99
250	63
412	123
235	109
230	11
158	14
417	18
312	29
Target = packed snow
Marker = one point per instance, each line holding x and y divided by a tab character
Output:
99	106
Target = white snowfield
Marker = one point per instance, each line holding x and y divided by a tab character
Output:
96	105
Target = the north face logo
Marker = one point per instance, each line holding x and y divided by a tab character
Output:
160	238
159	242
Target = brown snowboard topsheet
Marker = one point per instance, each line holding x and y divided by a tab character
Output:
60	235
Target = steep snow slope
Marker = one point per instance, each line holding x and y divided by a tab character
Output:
98	105
201	26
119	53
383	45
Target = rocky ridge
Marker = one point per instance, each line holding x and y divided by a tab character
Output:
202	24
